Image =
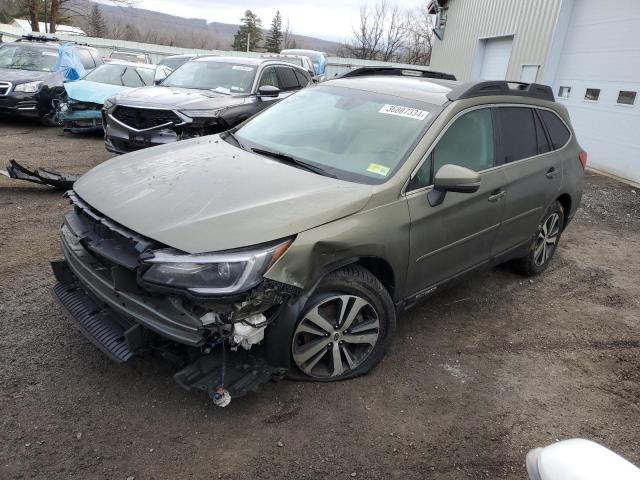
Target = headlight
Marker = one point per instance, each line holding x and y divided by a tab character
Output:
64	107
208	113
31	87
213	273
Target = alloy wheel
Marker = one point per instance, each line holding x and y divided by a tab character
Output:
547	239
335	336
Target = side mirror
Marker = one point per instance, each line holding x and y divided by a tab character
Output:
268	91
452	178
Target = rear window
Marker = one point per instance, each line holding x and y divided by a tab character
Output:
517	133
558	132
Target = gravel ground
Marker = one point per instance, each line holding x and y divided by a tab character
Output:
476	376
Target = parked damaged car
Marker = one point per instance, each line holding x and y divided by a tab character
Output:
33	70
80	106
204	96
288	247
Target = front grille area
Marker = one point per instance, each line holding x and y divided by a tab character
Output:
143	118
109	242
5	88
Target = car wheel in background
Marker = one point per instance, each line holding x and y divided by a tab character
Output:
345	329
545	243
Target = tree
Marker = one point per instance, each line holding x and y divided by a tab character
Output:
419	41
274	39
250	30
288	40
380	34
96	23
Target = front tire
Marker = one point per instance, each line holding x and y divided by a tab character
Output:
545	242
345	328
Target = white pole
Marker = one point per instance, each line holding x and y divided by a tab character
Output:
248	40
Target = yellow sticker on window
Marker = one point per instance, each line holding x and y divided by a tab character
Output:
379	169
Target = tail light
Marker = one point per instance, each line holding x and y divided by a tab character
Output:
583	158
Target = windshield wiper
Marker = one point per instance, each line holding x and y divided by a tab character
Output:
232	136
289	159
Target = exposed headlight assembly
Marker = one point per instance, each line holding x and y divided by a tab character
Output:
207	113
30	87
213	273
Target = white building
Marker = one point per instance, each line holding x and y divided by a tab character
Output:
587	50
25	25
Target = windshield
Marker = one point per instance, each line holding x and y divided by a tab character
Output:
129	57
174	63
128	76
317	58
28	57
294	61
357	135
221	77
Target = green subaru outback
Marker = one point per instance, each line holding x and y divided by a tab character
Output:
290	244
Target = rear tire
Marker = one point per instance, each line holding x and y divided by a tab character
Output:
544	243
345	328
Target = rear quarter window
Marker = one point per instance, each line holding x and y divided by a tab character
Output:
558	132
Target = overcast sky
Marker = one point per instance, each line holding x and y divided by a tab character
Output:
329	19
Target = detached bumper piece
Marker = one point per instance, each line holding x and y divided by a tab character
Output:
43	176
240	373
100	326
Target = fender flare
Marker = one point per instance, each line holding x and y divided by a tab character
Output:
279	334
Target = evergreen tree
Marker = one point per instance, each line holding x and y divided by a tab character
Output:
251	29
274	39
97	24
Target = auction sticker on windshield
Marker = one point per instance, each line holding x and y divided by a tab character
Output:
404	112
379	169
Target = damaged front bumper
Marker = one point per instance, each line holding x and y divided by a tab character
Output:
137	129
80	117
99	287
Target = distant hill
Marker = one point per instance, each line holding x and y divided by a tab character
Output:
136	24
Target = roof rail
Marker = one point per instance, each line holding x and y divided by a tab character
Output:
37	38
397	71
501	87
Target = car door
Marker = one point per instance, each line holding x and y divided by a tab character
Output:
458	234
533	178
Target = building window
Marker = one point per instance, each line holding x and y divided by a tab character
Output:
592	94
563	92
626	97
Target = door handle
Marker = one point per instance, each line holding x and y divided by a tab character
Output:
496	195
552	172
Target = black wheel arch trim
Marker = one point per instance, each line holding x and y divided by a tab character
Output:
280	332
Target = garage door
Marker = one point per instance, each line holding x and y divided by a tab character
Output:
495	60
599	82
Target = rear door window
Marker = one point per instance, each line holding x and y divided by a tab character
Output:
287	78
558	132
518	137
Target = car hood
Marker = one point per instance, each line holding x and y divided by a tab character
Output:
205	195
23	76
177	98
92	92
